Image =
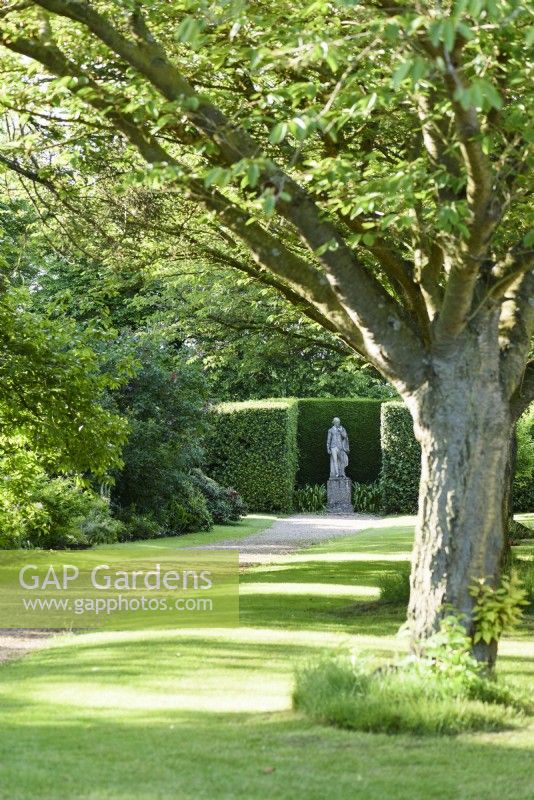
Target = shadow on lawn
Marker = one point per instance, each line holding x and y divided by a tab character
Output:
320	611
243	758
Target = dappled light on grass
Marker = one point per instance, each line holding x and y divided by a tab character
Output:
238	670
331	558
320	589
140	714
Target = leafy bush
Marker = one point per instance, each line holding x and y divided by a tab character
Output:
497	609
57	513
367	497
71	517
444	692
395	586
310	498
99	527
164	405
138	526
253	448
401	460
525	573
224	504
188	511
360	417
523	490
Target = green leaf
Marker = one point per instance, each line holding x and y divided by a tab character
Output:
188	31
449	34
278	133
401	73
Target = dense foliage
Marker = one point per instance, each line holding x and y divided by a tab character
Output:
401	460
523	488
99	403
254	448
164	405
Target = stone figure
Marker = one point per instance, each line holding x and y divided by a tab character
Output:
337	446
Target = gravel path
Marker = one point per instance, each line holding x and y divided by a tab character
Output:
17	642
293	533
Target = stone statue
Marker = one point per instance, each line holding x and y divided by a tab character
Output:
337	446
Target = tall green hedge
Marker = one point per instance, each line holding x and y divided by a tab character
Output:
253	449
360	417
401	460
401	465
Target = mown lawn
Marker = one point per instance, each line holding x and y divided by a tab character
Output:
206	713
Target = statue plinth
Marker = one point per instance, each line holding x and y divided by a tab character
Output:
339	493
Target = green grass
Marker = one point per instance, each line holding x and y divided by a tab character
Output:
200	714
254	523
352	693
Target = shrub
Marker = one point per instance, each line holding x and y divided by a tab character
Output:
395	586
253	448
37	510
72	517
225	505
523	490
444	692
525	573
367	497
99	527
188	512
310	498
138	526
164	405
401	460
360	417
57	513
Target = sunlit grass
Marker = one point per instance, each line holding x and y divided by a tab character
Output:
253	523
205	713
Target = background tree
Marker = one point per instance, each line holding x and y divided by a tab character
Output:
370	162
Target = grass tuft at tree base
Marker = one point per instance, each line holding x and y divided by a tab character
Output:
348	693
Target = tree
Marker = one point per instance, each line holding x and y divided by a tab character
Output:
370	162
165	407
251	342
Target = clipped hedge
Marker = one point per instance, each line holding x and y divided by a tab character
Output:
253	449
401	460
360	417
401	465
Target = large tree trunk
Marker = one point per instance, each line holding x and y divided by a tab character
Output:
463	424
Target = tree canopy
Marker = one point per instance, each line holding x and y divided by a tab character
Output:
365	156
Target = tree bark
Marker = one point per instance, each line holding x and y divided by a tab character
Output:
463	423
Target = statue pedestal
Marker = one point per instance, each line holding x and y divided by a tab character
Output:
339	493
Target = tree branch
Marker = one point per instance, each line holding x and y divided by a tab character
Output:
363	299
485	211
